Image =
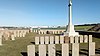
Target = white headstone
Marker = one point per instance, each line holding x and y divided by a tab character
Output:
56	39
20	34
91	48
36	31
42	50
90	38
31	50
65	49
51	50
42	40
46	39
85	38
81	38
33	30
61	39
71	39
12	37
36	40
23	35
75	49
51	39
76	39
39	32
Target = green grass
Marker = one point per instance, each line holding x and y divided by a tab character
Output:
85	28
14	48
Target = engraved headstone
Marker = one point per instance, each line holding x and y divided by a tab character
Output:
81	38
90	38
51	39
42	40
36	40
65	49
85	38
75	49
42	50
91	48
76	39
46	39
61	39
51	50
31	50
56	39
71	39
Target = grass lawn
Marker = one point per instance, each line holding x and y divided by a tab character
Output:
85	28
19	46
14	48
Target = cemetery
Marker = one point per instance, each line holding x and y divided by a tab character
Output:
35	44
50	42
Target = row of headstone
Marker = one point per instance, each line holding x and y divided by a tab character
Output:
64	51
17	33
35	30
48	31
65	45
1	38
62	39
6	35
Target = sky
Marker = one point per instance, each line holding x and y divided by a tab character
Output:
47	12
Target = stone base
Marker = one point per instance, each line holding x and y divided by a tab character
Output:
71	34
